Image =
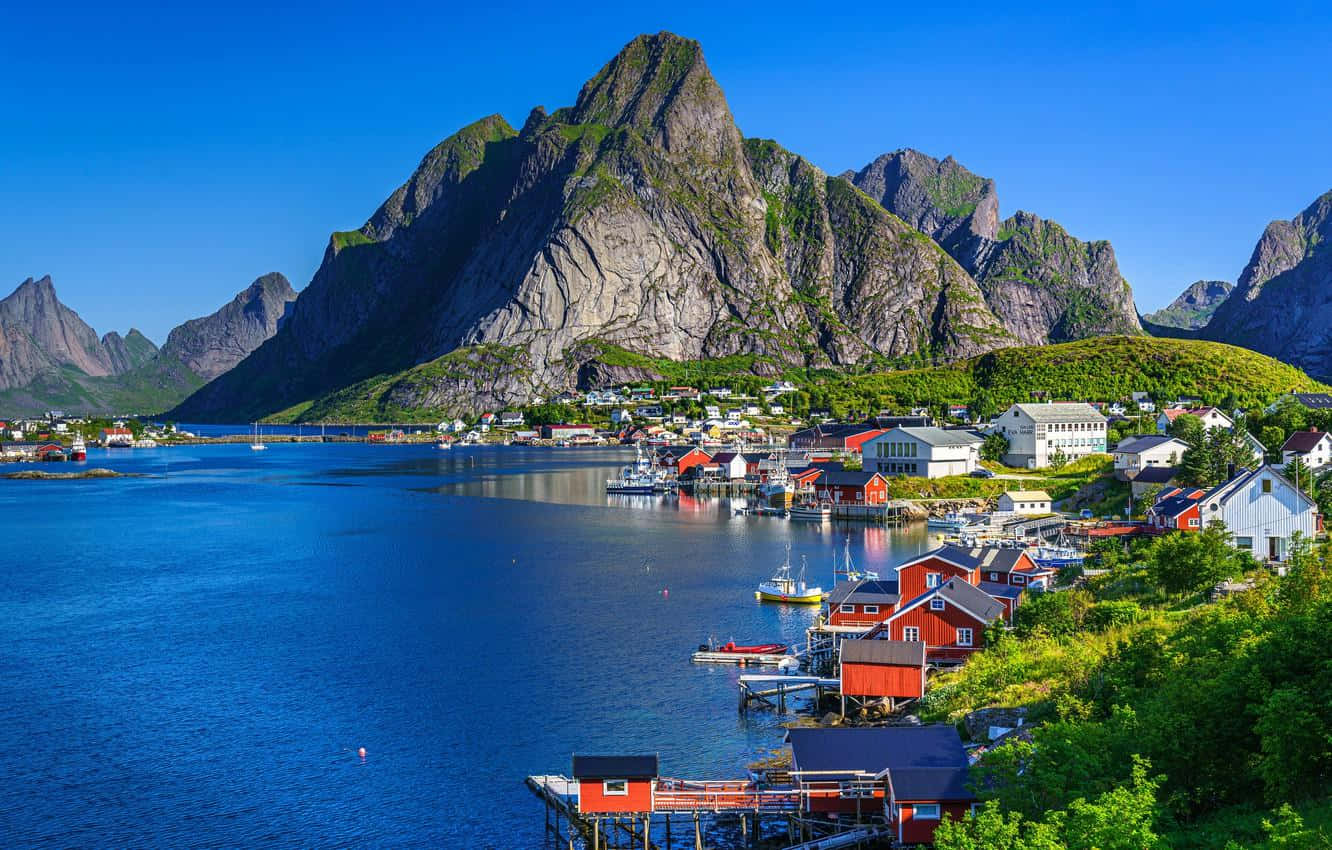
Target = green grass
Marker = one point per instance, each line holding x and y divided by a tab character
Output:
349	238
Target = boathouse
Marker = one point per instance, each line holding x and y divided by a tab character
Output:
677	459
862	603
853	487
615	783
890	669
850	771
977	566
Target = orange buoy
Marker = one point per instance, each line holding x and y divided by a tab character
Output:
361	752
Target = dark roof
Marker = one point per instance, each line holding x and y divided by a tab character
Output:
906	653
994	588
755	457
972	598
1318	400
1174	506
988	558
844	478
1303	441
872	750
1157	475
869	590
1142	442
899	421
929	784
725	457
614	767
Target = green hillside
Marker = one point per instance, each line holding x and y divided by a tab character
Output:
157	385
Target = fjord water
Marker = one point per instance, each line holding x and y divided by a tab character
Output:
193	658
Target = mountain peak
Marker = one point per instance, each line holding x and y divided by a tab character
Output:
660	86
213	344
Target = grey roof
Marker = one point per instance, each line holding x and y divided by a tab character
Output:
1156	475
1143	442
939	437
839	752
1064	411
988	558
1315	400
843	478
994	588
872	591
928	784
614	767
972	598
905	653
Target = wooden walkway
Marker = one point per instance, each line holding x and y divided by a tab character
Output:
764	689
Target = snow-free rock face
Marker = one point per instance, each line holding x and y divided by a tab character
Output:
1044	284
1282	304
213	344
38	333
1194	307
638	217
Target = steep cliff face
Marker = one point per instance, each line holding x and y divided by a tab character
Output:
1282	304
639	217
1194	307
129	352
213	344
1044	284
38	333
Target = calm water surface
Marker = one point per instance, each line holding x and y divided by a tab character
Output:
193	660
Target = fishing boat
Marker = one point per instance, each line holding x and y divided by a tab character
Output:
257	446
957	523
782	587
443	443
818	511
848	572
637	478
1047	555
78	450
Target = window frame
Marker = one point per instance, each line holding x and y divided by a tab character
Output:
606	788
869	609
911	633
938	604
971	636
933	580
846	608
917	814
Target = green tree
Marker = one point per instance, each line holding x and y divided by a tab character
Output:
994	447
1299	474
1058	460
1186	561
1188	428
1272	438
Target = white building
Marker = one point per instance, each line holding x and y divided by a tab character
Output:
1313	447
921	452
1134	454
1211	417
620	416
1262	511
1144	402
1036	432
1030	502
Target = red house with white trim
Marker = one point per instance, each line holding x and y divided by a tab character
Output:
609	784
1176	510
680	458
854	487
950	619
862	603
882	668
977	566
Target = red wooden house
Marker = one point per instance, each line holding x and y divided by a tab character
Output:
1176	510
919	797
846	771
882	668
615	783
862	603
978	566
950	619
851	487
679	458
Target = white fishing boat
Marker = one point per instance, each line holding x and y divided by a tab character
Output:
783	587
257	445
637	478
957	523
848	572
817	511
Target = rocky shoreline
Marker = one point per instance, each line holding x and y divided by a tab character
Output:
43	475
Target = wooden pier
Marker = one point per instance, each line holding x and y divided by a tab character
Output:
761	659
772	690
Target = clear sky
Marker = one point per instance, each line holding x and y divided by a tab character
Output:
156	159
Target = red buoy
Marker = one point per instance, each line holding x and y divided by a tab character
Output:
361	752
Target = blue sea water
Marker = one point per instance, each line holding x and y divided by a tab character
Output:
193	658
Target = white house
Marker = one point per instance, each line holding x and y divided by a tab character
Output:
1036	432
510	419
921	452
453	427
1144	402
1134	454
1314	447
1211	417
720	392
732	465
620	416
1261	510
776	388
712	411
776	409
1030	502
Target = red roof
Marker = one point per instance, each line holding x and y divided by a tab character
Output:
117	431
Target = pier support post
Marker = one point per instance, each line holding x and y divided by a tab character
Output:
596	834
698	833
668	831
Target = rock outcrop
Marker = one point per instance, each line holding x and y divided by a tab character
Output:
213	344
1194	307
1043	284
638	218
38	333
129	352
1282	303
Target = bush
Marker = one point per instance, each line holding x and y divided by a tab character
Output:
1107	615
1054	613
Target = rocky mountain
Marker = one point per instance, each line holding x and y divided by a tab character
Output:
1282	303
1194	307
51	359
1043	284
212	345
638	217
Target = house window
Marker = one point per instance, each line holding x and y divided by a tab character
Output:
1267	485
932	579
1019	579
1193	522
615	788
1244	543
994	576
911	633
936	604
926	811
871	609
847	609
964	637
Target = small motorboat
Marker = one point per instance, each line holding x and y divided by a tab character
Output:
782	587
817	511
756	649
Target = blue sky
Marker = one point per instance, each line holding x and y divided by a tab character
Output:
156	159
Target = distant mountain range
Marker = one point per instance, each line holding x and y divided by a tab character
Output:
51	359
1194	307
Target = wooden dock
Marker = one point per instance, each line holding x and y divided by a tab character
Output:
772	690
762	659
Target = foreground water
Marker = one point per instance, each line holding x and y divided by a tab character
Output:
194	660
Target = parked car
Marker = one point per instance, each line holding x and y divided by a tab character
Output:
981	473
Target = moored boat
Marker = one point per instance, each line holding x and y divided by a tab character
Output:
819	511
783	587
78	450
